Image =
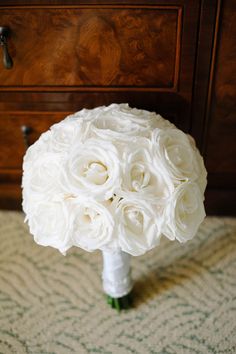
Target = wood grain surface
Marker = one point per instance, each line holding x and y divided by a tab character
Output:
93	47
12	145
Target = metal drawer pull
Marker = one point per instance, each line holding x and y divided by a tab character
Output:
7	60
25	132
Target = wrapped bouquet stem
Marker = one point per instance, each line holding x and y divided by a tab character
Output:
114	179
117	281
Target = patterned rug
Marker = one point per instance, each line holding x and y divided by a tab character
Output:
184	296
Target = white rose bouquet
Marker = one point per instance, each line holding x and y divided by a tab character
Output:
115	179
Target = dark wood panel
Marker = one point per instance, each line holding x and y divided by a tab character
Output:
170	105
222	180
64	3
93	47
10	196
12	145
221	138
210	11
214	117
220	201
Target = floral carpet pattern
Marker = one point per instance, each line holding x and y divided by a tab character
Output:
184	296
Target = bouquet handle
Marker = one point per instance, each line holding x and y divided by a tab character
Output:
117	281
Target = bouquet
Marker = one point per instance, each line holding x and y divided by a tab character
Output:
115	179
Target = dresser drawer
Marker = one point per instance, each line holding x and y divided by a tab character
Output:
12	140
93	46
69	55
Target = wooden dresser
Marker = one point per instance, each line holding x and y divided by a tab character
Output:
156	55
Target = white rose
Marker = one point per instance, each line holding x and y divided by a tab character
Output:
141	178
172	150
43	177
51	225
146	119
138	229
121	123
93	225
93	169
117	122
184	212
202	175
87	115
66	133
39	147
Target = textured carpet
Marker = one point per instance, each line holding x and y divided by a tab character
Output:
184	296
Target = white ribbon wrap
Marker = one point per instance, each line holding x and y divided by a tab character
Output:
116	274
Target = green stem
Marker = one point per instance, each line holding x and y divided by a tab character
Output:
120	303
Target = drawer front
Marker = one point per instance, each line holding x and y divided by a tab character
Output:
135	46
12	140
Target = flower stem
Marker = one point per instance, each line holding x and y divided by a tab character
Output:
121	303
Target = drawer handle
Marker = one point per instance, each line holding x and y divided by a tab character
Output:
25	133
7	60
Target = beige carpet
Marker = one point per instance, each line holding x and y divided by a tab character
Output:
184	296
